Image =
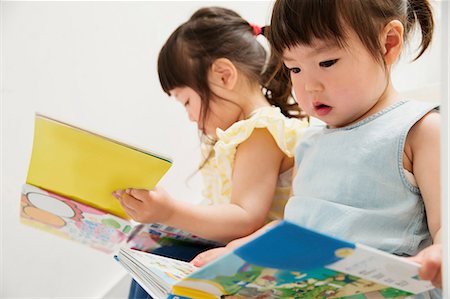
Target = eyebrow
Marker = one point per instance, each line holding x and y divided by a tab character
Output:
287	59
313	52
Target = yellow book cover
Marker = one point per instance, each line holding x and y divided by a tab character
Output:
88	167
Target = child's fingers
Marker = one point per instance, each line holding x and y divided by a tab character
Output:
140	204
208	256
430	260
118	194
417	258
431	268
437	280
130	212
139	194
130	202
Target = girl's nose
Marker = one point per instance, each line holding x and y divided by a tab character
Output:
192	117
313	85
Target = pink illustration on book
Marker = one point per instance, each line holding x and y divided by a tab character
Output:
101	230
73	220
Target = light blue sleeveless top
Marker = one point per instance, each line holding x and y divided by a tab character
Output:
351	184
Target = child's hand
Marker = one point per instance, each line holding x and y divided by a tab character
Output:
146	206
210	255
431	260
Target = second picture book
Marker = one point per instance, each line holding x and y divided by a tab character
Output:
285	261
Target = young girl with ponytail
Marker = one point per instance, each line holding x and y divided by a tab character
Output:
216	68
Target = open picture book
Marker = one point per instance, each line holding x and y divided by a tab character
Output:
71	177
286	261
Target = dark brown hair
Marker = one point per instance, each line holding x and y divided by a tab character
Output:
213	33
299	22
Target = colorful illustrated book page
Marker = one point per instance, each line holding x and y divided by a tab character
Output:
289	261
75	221
168	235
103	231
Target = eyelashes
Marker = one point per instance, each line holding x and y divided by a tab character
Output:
328	63
323	64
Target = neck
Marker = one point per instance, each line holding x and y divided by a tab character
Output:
252	99
388	97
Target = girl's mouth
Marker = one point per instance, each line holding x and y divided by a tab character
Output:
322	109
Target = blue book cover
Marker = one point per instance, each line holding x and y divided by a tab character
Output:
289	261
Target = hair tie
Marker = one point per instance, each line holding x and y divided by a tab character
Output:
256	29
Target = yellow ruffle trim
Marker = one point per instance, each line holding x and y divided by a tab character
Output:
218	170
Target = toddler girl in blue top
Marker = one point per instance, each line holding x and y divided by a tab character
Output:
371	175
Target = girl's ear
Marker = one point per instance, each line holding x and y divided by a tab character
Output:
223	73
392	41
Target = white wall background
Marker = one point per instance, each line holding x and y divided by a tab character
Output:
93	64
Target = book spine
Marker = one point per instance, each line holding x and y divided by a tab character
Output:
183	292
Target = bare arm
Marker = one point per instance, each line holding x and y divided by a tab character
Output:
424	143
423	150
255	174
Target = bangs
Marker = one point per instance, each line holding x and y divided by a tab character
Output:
175	69
302	22
168	77
296	22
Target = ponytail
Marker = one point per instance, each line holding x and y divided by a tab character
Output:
420	11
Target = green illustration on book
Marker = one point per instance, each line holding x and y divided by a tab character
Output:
287	261
71	176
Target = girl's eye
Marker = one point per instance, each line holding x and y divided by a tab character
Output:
328	63
295	70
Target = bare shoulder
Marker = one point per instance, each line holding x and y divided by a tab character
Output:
426	131
259	147
427	128
259	136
